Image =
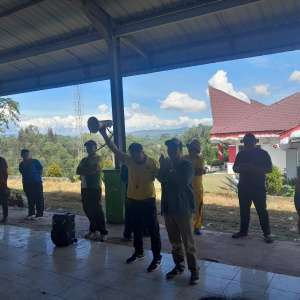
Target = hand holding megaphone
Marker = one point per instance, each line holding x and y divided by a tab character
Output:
94	125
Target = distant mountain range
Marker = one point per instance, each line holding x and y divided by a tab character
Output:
158	132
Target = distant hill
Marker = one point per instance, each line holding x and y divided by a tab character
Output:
158	132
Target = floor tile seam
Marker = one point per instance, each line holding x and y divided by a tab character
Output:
247	282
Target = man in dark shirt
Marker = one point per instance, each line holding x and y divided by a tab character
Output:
252	164
3	187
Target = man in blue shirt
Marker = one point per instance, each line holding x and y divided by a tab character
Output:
252	164
178	207
31	170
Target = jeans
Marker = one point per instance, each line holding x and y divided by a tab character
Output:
35	197
3	201
91	199
144	211
259	199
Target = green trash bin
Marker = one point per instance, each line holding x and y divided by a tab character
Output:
114	196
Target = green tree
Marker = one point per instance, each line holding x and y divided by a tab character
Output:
54	171
274	181
9	112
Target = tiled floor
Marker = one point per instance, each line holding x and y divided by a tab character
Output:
31	267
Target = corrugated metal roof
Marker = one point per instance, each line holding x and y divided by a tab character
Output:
41	37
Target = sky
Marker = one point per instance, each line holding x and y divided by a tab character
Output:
164	100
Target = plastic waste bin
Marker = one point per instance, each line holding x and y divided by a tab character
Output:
114	196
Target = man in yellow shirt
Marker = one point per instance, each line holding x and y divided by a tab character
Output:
142	171
197	160
89	170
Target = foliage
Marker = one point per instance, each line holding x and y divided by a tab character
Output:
288	191
274	181
216	162
54	171
108	164
9	112
288	181
9	172
232	182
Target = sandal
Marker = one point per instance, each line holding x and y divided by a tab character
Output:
268	239
239	235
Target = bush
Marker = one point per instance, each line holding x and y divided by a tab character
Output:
54	171
274	182
216	162
9	171
288	191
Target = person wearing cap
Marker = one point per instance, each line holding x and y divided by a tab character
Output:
197	160
32	170
297	200
178	207
89	170
3	188
142	171
252	164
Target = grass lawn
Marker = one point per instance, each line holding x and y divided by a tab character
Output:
221	207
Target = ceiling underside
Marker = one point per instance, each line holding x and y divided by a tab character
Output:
53	43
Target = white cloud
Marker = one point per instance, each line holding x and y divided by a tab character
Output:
220	82
295	76
262	89
133	109
183	103
103	108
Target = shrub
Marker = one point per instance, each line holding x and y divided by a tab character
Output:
216	162
54	171
288	191
9	171
274	181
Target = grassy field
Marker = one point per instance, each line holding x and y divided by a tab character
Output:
221	208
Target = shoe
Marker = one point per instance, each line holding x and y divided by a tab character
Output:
91	234
128	239
38	218
176	271
31	217
156	264
135	257
103	237
197	231
194	278
239	235
4	219
268	239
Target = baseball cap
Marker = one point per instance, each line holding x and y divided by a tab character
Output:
89	143
173	141
195	144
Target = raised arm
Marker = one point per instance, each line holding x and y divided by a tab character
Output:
112	146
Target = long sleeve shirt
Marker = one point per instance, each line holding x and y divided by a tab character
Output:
177	189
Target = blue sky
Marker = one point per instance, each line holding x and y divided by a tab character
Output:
170	99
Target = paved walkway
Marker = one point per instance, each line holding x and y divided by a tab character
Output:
31	267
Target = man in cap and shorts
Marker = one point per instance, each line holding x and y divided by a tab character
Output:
89	170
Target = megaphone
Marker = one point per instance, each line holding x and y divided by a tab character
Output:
94	125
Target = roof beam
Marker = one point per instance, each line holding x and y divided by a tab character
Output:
20	7
128	39
99	18
53	46
186	12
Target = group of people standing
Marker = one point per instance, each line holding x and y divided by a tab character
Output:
31	170
181	198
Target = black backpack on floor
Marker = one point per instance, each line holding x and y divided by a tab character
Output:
63	229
